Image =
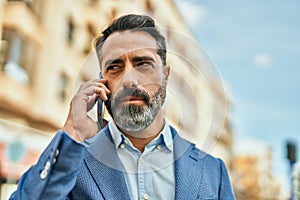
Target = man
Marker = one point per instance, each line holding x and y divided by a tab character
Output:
137	155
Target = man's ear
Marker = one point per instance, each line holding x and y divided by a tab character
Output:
166	71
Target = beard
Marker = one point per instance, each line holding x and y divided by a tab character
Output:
133	117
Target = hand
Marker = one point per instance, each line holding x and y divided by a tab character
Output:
79	125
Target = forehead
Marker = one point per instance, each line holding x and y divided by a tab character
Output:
121	43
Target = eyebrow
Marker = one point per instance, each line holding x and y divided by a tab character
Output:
113	61
135	59
142	58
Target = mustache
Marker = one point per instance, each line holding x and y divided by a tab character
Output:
134	92
114	100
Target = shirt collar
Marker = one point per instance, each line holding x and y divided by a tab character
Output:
164	138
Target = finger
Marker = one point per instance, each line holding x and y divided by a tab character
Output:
106	90
101	93
89	89
103	81
91	102
95	82
87	84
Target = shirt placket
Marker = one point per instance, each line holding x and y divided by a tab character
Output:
141	179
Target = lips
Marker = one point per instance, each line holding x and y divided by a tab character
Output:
131	99
131	96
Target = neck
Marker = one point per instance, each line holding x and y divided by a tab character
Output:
141	138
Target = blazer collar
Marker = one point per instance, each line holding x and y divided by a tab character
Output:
106	168
188	168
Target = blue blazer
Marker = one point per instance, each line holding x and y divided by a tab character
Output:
69	170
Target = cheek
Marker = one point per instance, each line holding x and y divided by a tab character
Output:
110	85
152	83
153	88
153	78
113	86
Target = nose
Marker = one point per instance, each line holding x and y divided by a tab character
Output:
130	78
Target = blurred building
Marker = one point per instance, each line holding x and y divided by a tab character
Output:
45	52
296	181
252	173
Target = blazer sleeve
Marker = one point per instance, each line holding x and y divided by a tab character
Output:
55	174
225	189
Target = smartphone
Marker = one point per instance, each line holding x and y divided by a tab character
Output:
100	108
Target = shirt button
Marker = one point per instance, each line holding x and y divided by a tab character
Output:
44	174
126	141
122	146
54	160
146	196
142	161
158	147
47	166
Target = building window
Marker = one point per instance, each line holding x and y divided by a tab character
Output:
92	1
91	34
70	31
17	56
114	13
3	53
149	7
63	87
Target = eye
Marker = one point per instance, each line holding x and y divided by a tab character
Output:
145	64
113	68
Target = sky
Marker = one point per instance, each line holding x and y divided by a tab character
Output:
255	46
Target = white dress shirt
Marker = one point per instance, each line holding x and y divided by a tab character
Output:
149	175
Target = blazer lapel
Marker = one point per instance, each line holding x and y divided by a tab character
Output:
106	168
188	168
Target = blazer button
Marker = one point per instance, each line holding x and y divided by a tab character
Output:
56	152
44	174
